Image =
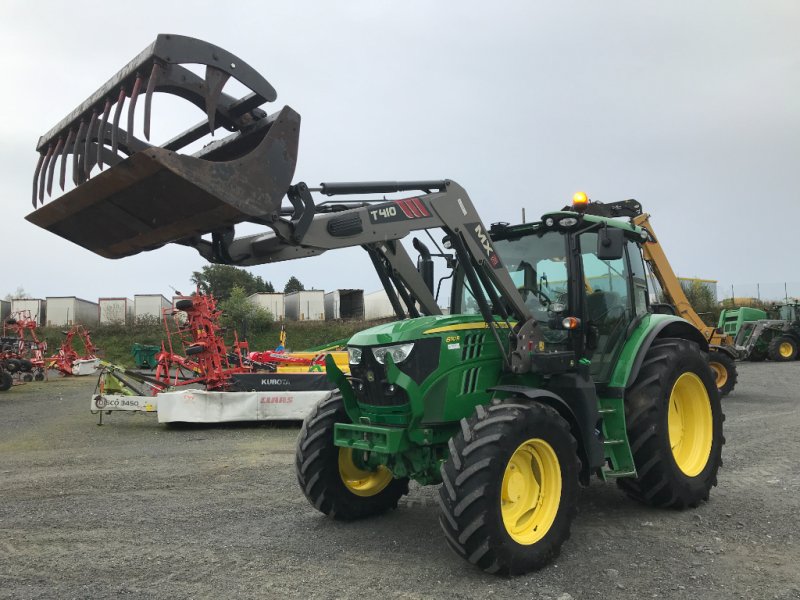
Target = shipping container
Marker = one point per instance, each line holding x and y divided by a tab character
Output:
344	304
115	310
149	305
377	305
308	305
273	302
36	306
5	309
69	310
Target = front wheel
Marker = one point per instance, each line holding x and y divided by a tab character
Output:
509	488
724	369
674	421
782	349
334	479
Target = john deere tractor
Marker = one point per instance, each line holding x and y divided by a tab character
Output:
549	367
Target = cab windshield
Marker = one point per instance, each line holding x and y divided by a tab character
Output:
537	265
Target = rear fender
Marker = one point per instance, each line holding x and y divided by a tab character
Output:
650	329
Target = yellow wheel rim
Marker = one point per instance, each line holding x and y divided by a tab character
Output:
785	349
691	427
360	481
720	373
531	491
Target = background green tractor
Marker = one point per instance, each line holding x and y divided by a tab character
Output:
776	339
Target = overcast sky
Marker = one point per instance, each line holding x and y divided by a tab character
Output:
693	108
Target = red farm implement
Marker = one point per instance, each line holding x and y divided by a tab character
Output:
21	351
68	360
206	358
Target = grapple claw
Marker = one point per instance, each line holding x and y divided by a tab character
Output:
76	163
45	167
62	177
36	178
87	168
115	126
152	195
148	98
51	168
101	133
137	87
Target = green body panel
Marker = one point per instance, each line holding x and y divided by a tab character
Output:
731	319
620	377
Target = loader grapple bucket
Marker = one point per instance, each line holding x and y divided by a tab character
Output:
130	195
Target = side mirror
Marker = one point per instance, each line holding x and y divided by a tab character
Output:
610	243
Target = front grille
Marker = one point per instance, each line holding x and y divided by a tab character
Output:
370	385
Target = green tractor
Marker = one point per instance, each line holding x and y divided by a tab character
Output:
550	367
776	339
609	389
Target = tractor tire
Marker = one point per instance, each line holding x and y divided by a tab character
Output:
13	365
38	377
5	381
333	483
782	349
757	355
674	420
724	369
25	365
184	305
510	487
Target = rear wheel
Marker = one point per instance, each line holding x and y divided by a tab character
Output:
724	370
509	488
782	349
333	479
674	420
13	365
5	381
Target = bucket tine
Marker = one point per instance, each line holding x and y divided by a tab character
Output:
76	164
45	166
87	167
36	177
101	131
137	87
52	167
115	126
62	178
215	80
148	98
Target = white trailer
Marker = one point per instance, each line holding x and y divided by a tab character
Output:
377	305
308	305
36	306
69	310
344	304
273	302
149	305
115	310
5	309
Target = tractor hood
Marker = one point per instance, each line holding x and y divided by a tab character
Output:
410	330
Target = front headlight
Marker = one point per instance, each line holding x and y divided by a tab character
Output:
354	355
398	352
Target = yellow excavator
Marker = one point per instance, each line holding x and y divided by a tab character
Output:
722	354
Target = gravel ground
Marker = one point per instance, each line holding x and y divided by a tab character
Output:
134	508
